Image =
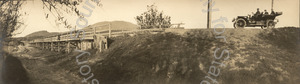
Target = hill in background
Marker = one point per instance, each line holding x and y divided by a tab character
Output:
41	34
115	25
38	34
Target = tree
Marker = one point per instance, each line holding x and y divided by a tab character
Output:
10	16
152	18
59	8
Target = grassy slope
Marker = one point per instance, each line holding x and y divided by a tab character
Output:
263	57
256	56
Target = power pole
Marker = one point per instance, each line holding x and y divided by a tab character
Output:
272	4
109	26
209	14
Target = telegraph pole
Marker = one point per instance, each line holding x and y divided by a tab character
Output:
209	14
272	4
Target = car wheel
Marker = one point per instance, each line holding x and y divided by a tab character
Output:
270	24
240	23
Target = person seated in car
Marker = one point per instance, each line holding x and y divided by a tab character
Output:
272	13
264	15
266	12
257	12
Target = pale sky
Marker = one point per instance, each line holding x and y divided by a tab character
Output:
186	11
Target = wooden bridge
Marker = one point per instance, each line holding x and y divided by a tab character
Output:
92	38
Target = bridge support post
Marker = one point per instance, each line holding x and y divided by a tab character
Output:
58	47
81	45
100	43
105	43
100	46
48	46
78	45
51	46
68	47
43	46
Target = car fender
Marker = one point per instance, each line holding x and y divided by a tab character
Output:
233	20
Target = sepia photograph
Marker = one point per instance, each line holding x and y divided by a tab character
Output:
149	41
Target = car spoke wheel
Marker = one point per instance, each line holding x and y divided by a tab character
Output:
240	23
263	27
271	24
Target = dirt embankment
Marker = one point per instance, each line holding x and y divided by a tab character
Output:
13	72
256	57
28	65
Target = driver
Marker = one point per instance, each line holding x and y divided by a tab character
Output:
272	13
257	12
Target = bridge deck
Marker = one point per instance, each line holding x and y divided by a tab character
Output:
82	39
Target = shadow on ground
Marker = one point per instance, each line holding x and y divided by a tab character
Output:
13	71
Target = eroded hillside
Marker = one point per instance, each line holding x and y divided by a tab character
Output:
256	56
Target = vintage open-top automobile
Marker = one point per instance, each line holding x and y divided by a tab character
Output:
261	20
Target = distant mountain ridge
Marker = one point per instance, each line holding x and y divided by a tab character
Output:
41	34
115	25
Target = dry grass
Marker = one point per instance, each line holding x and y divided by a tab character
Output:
256	57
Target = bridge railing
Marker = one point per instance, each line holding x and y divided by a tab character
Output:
88	34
